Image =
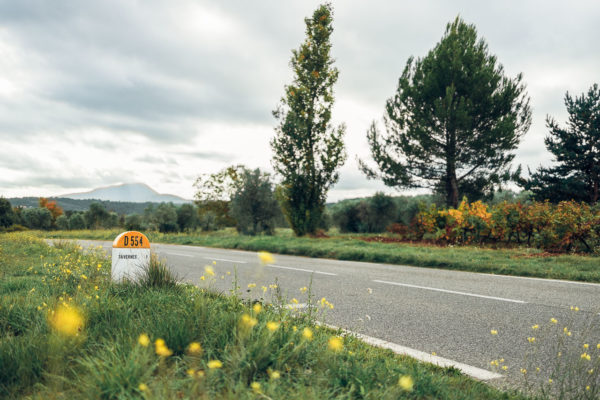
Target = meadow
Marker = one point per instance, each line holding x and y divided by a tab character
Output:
68	332
521	261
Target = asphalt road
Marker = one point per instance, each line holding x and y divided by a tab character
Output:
450	313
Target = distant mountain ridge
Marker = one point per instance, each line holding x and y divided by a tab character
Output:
127	192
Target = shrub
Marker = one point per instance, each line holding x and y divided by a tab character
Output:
62	222
133	222
37	218
77	221
7	215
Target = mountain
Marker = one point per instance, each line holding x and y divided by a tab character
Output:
128	192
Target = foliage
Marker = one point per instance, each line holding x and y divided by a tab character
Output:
253	205
187	218
133	222
7	215
567	226
55	210
96	216
165	217
62	222
373	214
453	121
37	218
120	207
214	196
307	149
576	150
77	221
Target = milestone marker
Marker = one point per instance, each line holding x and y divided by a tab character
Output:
130	254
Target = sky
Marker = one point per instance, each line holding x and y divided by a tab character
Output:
96	93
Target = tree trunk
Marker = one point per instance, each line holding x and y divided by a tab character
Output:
595	194
451	186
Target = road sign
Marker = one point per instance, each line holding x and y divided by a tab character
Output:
130	254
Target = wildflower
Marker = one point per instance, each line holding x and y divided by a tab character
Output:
536	326
96	287
209	270
433	353
335	343
494	332
553	320
200	374
591	371
228	273
598	346
585	346
550	380
307	333
83	277
273	287
143	387
272	326
274	374
504	367
67	321
202	278
144	340
194	348
523	371
587	387
264	289
214	364
303	289
255	387
265	257
257	308
586	356
406	383
161	348
295	300
531	339
251	285
574	308
214	263
32	290
191	372
494	363
248	321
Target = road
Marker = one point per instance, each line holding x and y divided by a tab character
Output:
449	313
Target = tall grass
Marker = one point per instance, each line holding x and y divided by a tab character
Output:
163	341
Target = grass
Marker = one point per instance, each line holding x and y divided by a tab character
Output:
515	261
67	332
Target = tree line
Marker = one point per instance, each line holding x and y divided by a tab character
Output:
451	126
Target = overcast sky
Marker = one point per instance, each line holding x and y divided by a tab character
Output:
95	93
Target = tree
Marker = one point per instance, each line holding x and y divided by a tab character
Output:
253	205
133	222
37	218
453	121
165	217
7	215
62	222
96	216
308	150
77	221
576	150
187	217
214	196
55	210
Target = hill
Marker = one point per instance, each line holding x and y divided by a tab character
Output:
128	192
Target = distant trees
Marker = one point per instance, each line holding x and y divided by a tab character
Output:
576	150
373	214
187	217
307	149
7	215
213	196
453	122
37	218
253	205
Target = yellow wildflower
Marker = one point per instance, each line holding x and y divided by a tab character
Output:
255	387
550	380
144	340
209	270
248	321
523	371
191	372
585	346
531	339
295	300
303	289
494	332
586	356
257	308
553	320
66	320
406	383
264	289
536	326
214	364
251	285
161	348
265	257
272	326
335	343
307	334
194	348
504	367
202	278
143	387
274	374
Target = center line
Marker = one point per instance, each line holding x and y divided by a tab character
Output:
225	260
452	292
303	270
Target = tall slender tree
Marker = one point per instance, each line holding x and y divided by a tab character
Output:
576	149
453	121
308	150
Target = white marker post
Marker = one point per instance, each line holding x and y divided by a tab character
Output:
130	254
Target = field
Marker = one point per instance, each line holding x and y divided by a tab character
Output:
67	332
510	261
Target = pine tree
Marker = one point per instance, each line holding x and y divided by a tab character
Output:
576	150
453	121
307	149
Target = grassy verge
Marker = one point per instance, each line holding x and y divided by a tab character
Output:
519	261
67	332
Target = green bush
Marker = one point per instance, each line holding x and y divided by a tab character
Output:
37	218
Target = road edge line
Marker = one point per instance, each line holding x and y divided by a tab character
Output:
474	372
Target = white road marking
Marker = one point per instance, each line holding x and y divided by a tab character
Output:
452	292
301	269
225	260
545	279
179	254
293	306
477	373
